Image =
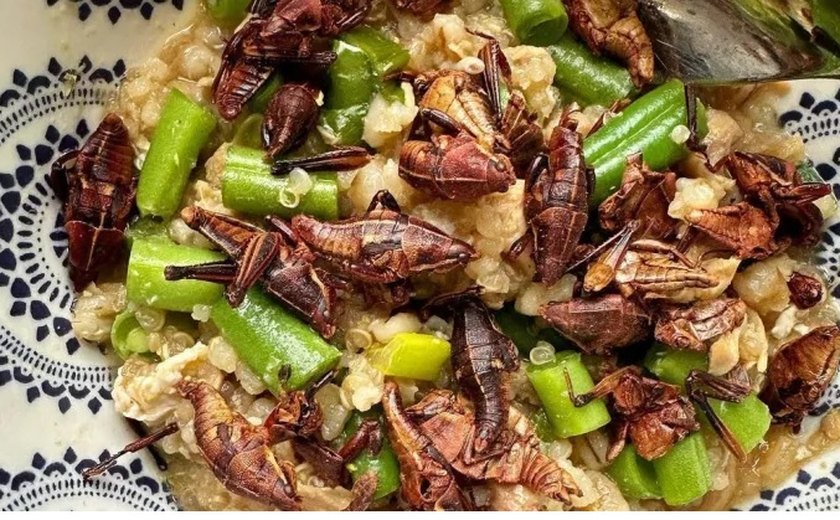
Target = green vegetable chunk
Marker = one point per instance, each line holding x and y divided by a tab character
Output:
673	366
384	462
249	187
183	130
549	382
749	420
586	78
684	473
145	283
352	83
410	354
127	336
645	126
386	56
536	22
227	12
634	475
270	340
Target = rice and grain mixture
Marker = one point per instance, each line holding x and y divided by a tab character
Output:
189	345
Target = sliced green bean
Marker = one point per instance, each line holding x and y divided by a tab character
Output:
586	78
536	22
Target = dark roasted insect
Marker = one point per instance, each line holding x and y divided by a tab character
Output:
463	104
98	185
330	464
648	267
454	167
799	374
556	203
284	270
612	26
428	482
383	245
776	187
733	388
652	414
339	159
286	32
289	117
644	195
583	320
514	458
482	359
238	452
805	291
692	327
742	227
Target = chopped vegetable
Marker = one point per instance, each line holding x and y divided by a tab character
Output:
145	282
183	130
748	420
284	352
684	472
127	336
634	475
549	381
249	187
586	78
411	354
673	366
352	83
249	132
384	462
146	227
542	426
536	22
385	55
645	126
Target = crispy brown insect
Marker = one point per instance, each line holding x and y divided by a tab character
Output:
482	359
599	325
426	477
326	18
742	227
383	245
284	269
649	267
238	452
805	291
454	167
289	117
556	203
237	80
612	26
799	374
364	492
652	414
330	464
514	458
691	327
98	186
644	195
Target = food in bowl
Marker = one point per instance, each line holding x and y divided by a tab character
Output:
428	255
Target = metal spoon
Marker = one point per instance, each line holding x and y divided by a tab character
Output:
730	41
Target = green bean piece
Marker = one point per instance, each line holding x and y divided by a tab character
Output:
684	472
145	283
259	102
352	83
249	187
127	336
284	352
749	420
645	126
412	355
386	56
183	130
634	475
536	22
586	78
146	227
549	381
672	366
228	13
542	426
249	132
384	462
